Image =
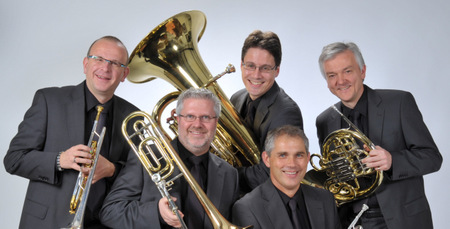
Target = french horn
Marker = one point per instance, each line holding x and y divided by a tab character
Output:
170	52
340	168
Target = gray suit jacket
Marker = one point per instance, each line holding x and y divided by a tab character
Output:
264	209
396	124
276	109
54	123
133	200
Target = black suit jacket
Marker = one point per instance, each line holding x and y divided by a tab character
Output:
133	200
396	124
55	122
264	209
276	109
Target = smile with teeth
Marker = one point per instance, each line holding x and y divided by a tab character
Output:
291	172
255	83
102	77
344	88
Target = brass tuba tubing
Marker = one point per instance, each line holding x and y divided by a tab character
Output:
148	130
83	183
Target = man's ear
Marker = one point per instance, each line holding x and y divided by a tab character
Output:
266	159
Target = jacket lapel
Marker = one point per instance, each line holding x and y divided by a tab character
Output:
274	208
75	113
376	112
314	208
263	107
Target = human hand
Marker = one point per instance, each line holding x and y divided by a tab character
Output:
74	156
378	158
103	169
167	214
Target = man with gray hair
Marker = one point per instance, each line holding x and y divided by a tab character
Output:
282	201
135	202
404	149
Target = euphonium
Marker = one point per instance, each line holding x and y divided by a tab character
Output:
170	52
160	164
341	170
83	184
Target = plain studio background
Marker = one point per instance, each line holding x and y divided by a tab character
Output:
404	43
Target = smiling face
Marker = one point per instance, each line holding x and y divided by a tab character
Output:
102	78
345	78
197	136
288	163
256	82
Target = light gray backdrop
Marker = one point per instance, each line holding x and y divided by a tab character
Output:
404	42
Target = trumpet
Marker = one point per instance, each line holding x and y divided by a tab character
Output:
161	167
83	184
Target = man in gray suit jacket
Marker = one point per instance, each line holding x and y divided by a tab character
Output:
404	149
263	104
135	202
281	201
51	143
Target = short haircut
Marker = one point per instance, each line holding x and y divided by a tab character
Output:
331	50
108	38
198	93
264	40
289	130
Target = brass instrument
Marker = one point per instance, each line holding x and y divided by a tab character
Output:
170	52
83	184
160	165
341	170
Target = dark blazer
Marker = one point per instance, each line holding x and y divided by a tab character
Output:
276	109
396	124
264	208
133	200
55	122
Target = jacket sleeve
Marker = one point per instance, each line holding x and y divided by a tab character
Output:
420	155
25	156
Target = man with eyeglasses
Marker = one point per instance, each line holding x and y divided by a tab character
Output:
51	144
135	202
263	104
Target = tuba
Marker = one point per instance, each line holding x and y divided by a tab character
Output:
160	164
83	184
170	52
341	170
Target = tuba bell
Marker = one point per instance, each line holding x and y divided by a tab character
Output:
340	168
170	52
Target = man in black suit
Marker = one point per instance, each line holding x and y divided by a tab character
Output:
404	149
281	201
135	202
263	104
51	143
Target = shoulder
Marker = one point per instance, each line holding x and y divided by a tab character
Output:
239	94
318	193
122	103
252	198
221	163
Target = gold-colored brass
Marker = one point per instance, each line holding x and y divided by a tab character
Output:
83	183
159	162
170	52
340	168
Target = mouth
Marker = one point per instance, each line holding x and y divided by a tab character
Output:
344	88
290	172
103	77
256	83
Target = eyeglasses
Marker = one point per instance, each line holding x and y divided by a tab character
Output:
100	59
203	118
263	69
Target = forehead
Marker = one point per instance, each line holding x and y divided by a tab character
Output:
286	143
256	55
341	60
108	49
198	106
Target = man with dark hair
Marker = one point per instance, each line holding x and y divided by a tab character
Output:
51	144
263	104
282	201
135	202
404	149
